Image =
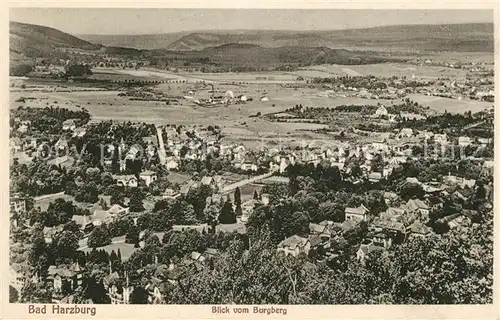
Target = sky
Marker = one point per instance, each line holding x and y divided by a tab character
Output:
106	21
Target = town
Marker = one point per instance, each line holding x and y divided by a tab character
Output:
296	187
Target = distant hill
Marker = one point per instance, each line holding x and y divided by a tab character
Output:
146	41
31	40
243	55
476	37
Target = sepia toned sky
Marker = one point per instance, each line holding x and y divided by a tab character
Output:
154	21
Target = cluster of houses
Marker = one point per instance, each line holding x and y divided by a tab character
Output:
401	220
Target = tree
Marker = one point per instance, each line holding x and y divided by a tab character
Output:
139	296
255	195
377	163
411	190
87	193
66	246
99	237
13	295
227	215
103	204
296	223
237	202
237	196
135	203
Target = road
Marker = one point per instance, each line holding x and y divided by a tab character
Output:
161	149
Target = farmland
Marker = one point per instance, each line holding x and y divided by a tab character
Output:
383	70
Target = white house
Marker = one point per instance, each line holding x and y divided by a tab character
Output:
406	132
126	180
294	246
170	194
69	124
148	177
381	111
464	141
358	214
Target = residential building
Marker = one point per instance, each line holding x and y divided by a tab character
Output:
126	180
418	206
375	177
406	133
365	250
464	141
69	124
148	177
360	213
170	194
294	246
381	111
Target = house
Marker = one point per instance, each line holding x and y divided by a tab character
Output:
61	144
348	225
249	165
294	246
366	248
15	144
323	231
116	209
50	232
101	216
390	197
210	253
381	111
392	228
406	133
412	180
69	124
484	141
85	223
418	229
120	294
64	279
418	206
171	163
191	184
170	194
441	139
126	180
464	141
151	140
148	177
23	128
79	132
248	207
375	177
156	289
17	203
382	239
358	214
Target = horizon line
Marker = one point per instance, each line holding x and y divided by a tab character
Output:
261	30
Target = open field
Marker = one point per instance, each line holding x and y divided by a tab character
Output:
387	70
451	105
126	249
238	121
178	177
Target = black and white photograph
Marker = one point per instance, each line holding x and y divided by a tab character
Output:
259	157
